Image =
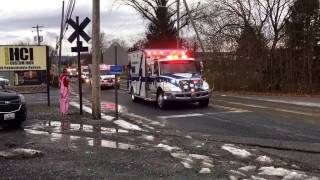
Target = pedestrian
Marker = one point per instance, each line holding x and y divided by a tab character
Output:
64	92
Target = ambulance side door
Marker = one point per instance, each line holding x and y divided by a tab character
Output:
153	80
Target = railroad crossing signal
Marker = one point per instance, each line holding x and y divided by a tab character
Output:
79	31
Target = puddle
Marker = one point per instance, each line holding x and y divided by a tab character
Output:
56	137
105	130
36	132
57	127
110	144
110	106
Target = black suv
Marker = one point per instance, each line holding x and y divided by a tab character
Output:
12	107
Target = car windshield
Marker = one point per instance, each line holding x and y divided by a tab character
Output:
105	72
178	66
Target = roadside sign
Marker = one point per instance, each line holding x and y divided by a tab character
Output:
23	58
117	69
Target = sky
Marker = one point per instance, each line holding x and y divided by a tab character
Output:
17	17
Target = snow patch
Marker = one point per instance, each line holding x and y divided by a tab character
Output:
186	165
281	172
20	153
233	178
264	159
257	178
236	151
126	125
237	173
204	171
148	138
106	117
247	168
207	164
200	157
167	147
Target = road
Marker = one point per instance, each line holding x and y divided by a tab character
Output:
233	138
226	116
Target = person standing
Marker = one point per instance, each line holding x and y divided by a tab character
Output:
64	92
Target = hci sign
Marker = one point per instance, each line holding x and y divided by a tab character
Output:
18	54
23	58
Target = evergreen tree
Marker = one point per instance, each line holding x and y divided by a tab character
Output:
161	31
303	32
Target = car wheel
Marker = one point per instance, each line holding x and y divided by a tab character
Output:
204	103
162	104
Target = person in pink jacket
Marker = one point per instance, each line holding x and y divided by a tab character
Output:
64	92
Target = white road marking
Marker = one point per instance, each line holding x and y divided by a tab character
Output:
267	107
180	116
121	123
293	112
228	108
248	105
299	103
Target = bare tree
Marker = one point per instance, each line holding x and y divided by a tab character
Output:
278	12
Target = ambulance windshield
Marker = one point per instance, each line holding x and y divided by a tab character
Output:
179	66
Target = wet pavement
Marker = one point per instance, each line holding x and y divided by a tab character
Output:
78	147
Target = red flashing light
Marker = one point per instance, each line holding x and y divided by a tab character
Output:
168	54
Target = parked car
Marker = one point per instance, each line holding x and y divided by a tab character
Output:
4	81
13	109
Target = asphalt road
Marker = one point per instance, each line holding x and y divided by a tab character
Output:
226	116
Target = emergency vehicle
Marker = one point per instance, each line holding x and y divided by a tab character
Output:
85	74
166	75
106	78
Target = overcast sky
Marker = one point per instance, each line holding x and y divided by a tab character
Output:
17	17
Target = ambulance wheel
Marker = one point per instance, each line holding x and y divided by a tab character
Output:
162	104
133	97
204	103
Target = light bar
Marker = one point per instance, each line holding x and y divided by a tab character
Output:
172	54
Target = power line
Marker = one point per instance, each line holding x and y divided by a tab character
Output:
68	15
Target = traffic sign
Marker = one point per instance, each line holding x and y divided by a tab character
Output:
79	48
116	69
79	29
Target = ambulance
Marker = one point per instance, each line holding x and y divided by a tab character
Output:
165	76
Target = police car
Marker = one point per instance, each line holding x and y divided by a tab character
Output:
166	75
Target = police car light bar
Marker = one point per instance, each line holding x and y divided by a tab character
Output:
104	67
172	54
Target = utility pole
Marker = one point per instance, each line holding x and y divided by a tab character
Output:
178	23
116	82
38	30
194	26
96	102
60	39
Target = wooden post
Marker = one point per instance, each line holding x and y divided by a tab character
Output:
96	91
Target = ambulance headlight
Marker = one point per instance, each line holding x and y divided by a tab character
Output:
205	86
171	87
